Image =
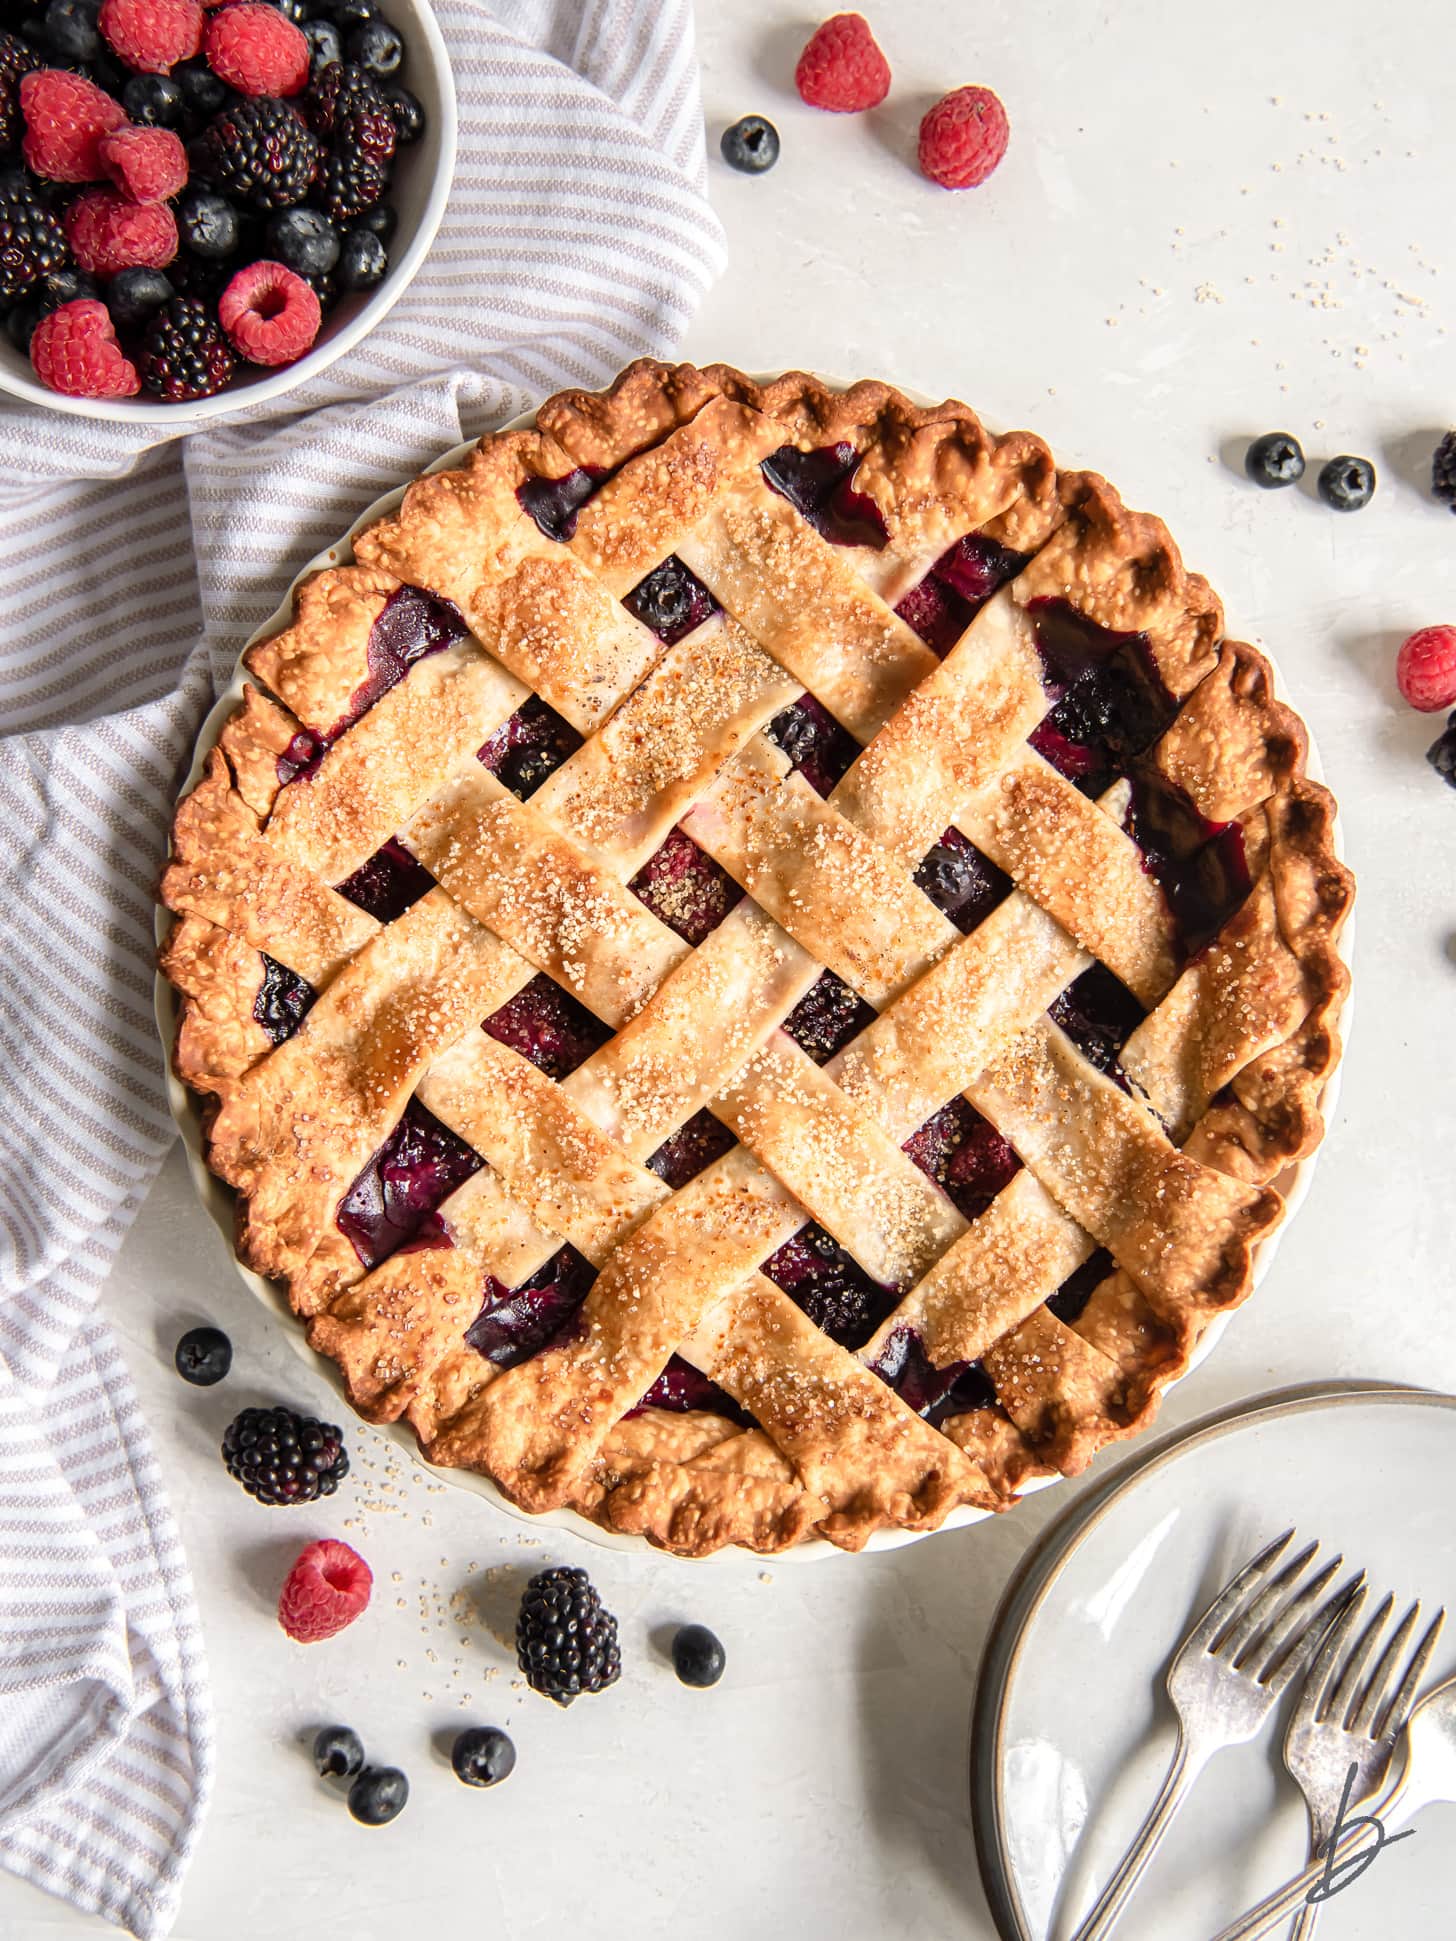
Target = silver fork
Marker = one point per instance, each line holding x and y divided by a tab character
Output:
1224	1680
1341	1723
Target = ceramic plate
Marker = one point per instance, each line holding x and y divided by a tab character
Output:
1073	1730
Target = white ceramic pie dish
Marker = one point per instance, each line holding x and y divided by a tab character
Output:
219	1199
420	190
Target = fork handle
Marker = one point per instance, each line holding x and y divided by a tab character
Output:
1304	1922
1394	1809
1187	1765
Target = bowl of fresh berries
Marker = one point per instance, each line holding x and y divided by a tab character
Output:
204	205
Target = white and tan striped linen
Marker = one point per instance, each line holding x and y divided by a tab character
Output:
578	235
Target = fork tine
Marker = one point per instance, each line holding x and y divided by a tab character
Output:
1363	1706
1398	1710
1286	1648
1344	1697
1256	1614
1314	1698
1229	1599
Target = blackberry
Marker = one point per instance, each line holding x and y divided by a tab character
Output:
282	1457
259	152
348	110
15	59
347	185
409	114
566	1642
32	242
1443	470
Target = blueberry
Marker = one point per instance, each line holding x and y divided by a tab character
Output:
131	297
208	223
378	1795
70	28
202	93
377	48
109	75
1347	483
1442	752
324	45
1275	459
381	221
21	322
409	116
338	1753
483	1756
294	10
303	239
363	260
751	145
347	13
204	1355
68	285
697	1656
153	100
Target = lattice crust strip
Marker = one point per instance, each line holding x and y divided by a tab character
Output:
669	567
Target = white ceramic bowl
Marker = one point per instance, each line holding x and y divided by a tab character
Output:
419	191
219	1200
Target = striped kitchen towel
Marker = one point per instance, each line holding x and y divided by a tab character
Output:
578	235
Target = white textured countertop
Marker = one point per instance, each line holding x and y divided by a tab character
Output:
1211	222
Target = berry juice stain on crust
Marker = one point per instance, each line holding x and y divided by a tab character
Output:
955	589
817	485
554	503
681	1389
392	1204
516	1323
935	1394
283	1000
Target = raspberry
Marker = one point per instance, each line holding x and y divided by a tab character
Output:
74	350
1425	669
349	109
32	242
151	36
107	233
186	356
271	315
326	1589
256	50
65	117
259	152
842	68
347	185
146	164
963	138
15	59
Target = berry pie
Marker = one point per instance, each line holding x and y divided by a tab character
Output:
753	959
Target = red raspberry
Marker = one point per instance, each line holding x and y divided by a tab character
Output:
842	68
256	50
74	350
1425	669
152	35
963	138
65	117
271	315
327	1588
146	164
107	233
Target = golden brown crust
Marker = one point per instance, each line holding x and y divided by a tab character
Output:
1176	1178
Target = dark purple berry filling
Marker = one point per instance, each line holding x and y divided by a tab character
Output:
283	1000
833	1290
1099	1014
934	1393
690	1149
1077	1289
685	889
514	1324
826	1017
681	1387
302	756
965	1155
1200	866
530	746
549	1026
814	742
554	503
392	1203
1110	701
388	883
817	484
959	584
671	601
962	882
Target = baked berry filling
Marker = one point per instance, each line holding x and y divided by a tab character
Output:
960	881
530	746
681	1387
832	1288
965	1155
549	1026
934	1393
516	1323
672	600
817	485
391	1205
302	756
814	742
955	589
554	503
690	1149
388	883
1071	1298
826	1017
283	1000
1200	866
1110	701
685	888
1099	1014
